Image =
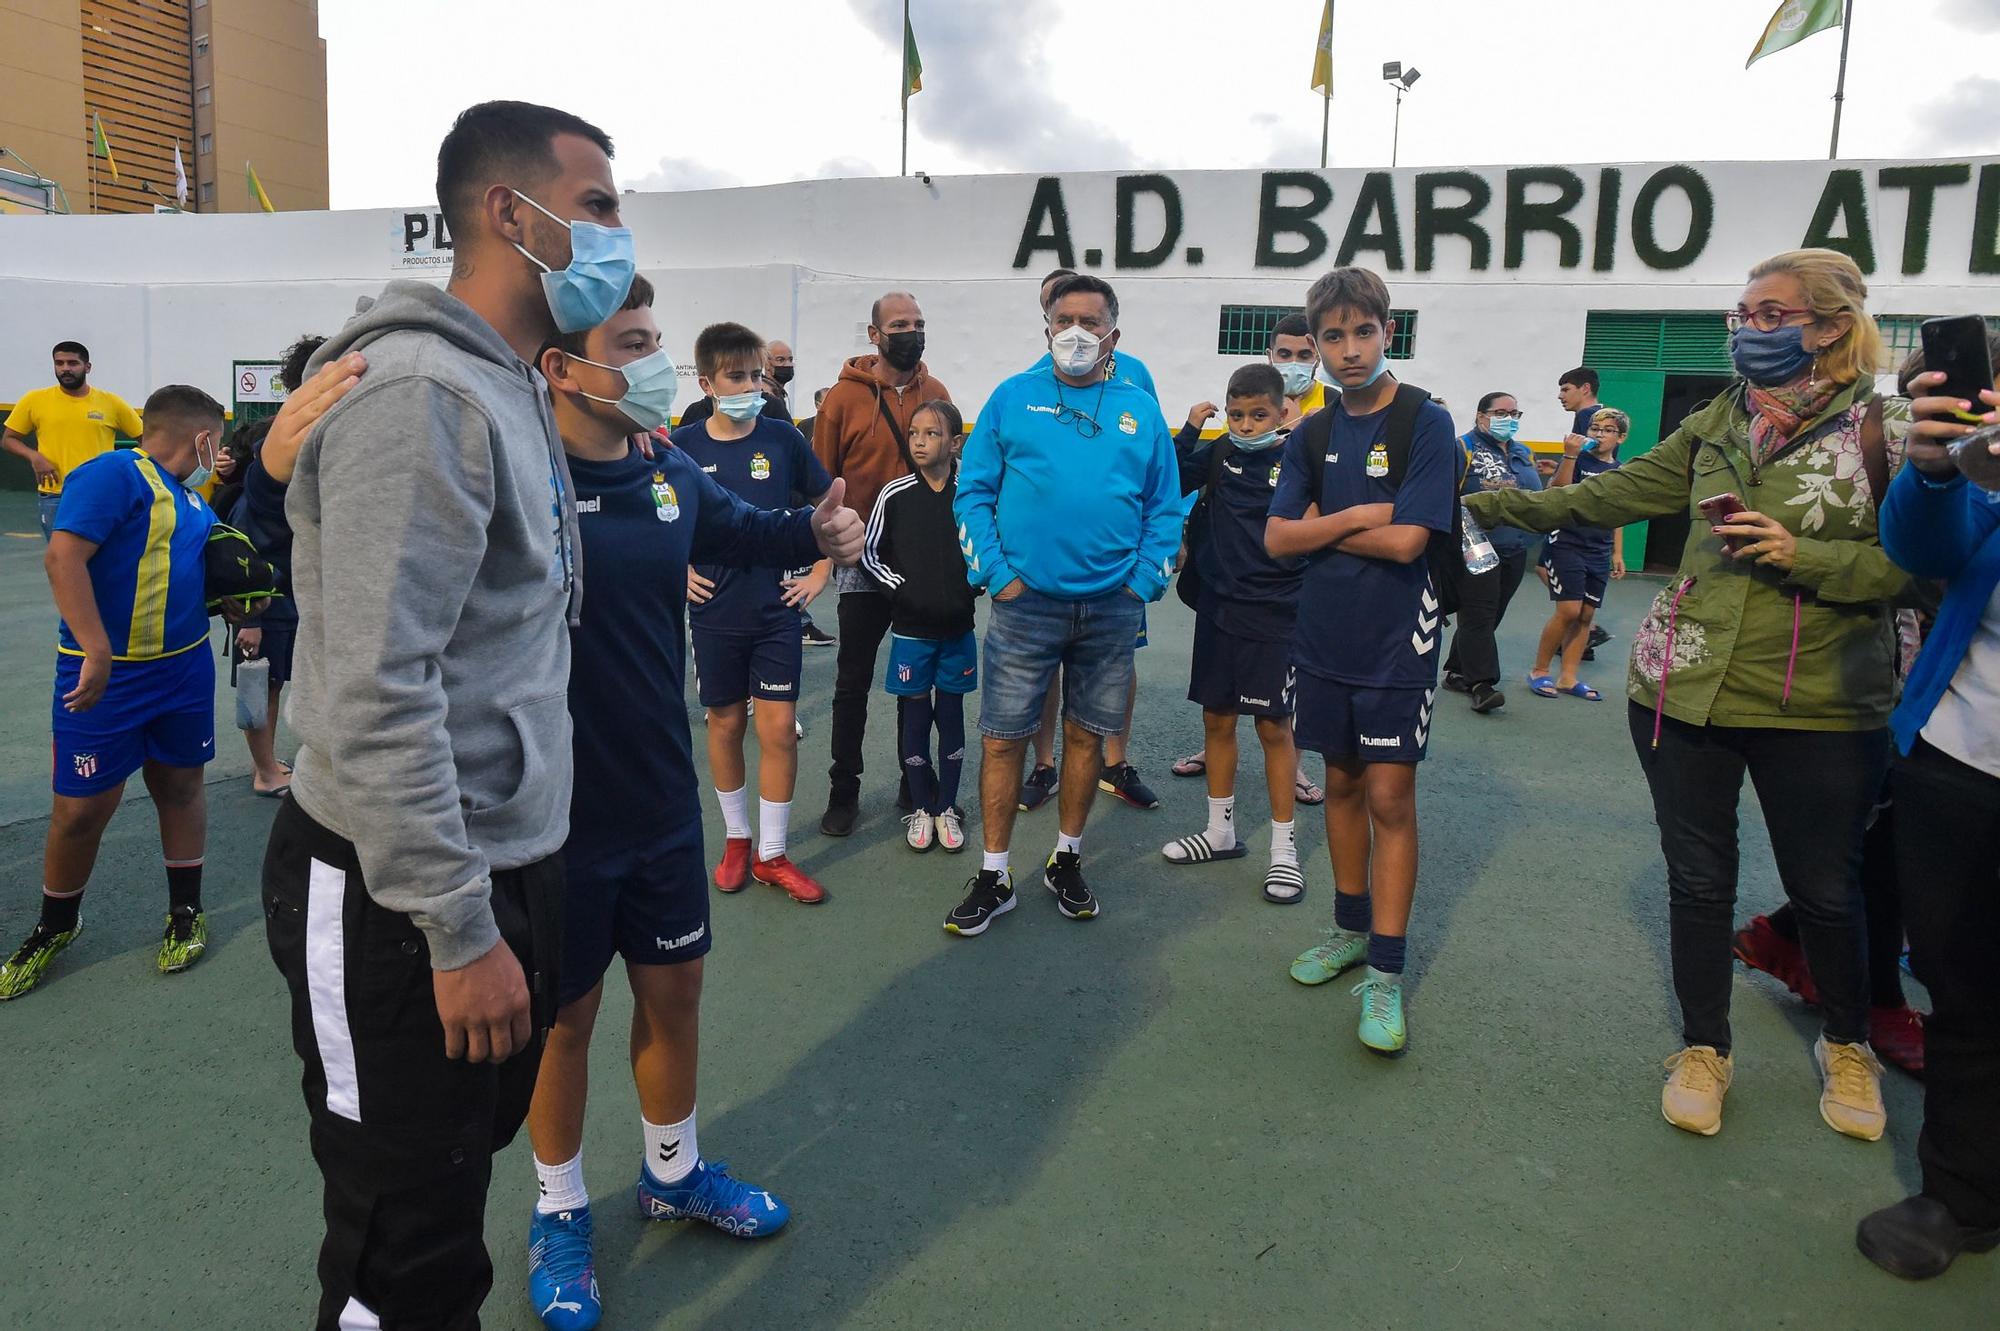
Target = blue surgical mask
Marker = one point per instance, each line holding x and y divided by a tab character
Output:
1298	376
602	263
1256	443
1504	428
197	478
651	383
740	406
1325	376
1770	359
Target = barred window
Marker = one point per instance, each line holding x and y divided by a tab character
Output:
1245	330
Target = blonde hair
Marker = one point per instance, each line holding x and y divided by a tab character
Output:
1834	286
1616	418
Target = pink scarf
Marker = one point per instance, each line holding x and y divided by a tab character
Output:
1777	413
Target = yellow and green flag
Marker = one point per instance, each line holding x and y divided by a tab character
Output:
1323	54
257	194
101	146
913	64
1795	21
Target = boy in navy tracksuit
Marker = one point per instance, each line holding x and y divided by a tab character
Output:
745	621
637	886
1366	648
913	552
1245	612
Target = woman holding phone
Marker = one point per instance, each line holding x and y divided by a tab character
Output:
1770	654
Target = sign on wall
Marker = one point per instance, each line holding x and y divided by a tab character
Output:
422	243
257	381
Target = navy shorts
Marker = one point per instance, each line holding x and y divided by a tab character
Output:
1577	574
730	667
276	648
918	665
1337	720
647	903
1032	636
1231	673
152	711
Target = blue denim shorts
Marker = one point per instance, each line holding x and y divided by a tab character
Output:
1031	636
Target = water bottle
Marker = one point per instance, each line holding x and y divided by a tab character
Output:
1974	456
1476	545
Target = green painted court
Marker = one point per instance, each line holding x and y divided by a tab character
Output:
1134	1122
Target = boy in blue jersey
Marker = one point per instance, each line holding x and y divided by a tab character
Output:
1581	561
1069	512
745	621
1243	621
1367	638
636	882
135	680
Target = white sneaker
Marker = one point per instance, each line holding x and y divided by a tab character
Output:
951	830
917	830
799	728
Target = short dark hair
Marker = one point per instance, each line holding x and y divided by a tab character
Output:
76	349
182	404
500	143
1053	274
1486	403
875	310
1346	289
1083	284
1292	325
1581	377
292	369
1258	379
731	343
639	295
954	423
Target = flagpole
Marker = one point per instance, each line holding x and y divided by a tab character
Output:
1326	93
904	169
1840	85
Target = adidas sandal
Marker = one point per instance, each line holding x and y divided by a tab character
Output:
1284	884
1196	850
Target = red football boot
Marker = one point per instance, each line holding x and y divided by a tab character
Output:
779	871
733	874
1897	1034
1762	948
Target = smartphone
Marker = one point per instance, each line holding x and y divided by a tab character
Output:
1957	347
1721	509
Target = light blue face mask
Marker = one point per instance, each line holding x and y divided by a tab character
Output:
1325	376
1504	429
197	478
1297	374
651	383
1256	443
602	263
741	406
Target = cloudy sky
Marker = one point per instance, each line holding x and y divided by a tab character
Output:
699	94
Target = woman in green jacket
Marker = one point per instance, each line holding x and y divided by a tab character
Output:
1771	653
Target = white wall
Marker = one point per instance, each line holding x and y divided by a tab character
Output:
176	298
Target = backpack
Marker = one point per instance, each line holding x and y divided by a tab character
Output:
1187	585
1444	554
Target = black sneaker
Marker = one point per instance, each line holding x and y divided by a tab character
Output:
1455	682
812	635
838	820
1589	654
1123	781
1598	637
1064	877
988	894
1486	698
1035	791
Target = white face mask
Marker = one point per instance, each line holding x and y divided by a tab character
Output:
1076	350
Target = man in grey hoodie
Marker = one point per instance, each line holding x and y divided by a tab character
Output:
413	883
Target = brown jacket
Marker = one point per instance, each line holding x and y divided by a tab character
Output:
850	435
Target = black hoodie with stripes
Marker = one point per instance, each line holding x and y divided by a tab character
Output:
913	551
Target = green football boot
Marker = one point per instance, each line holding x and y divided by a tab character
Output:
25	968
186	939
1341	951
1382	1012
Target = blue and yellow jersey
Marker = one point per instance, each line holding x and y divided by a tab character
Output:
148	573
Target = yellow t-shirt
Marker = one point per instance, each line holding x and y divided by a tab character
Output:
70	431
1312	399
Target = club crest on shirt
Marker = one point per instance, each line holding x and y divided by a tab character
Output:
760	467
1127	423
1378	460
666	504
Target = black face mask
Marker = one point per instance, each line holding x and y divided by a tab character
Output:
903	350
783	374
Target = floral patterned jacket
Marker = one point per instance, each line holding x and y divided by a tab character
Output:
1731	643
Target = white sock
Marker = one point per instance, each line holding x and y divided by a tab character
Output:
774	822
995	860
1284	843
735	811
561	1186
1066	842
671	1154
1221	832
